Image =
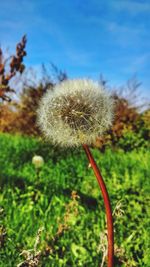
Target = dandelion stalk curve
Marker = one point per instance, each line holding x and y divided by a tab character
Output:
106	203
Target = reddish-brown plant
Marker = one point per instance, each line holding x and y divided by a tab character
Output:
15	65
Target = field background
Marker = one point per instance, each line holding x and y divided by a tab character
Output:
72	222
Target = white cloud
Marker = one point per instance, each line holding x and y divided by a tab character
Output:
138	63
131	6
126	34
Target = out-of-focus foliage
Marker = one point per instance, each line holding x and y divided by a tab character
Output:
7	118
15	65
131	129
31	200
131	126
21	116
139	136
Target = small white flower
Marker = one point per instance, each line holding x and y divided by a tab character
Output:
38	161
75	112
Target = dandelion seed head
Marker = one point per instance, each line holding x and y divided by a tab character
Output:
37	161
76	112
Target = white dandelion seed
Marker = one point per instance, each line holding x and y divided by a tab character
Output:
75	112
38	161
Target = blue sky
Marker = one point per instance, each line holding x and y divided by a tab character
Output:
82	37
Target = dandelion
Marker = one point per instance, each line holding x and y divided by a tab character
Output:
76	113
37	161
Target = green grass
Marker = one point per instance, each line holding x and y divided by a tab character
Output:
30	201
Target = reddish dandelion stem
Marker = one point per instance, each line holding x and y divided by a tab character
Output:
110	232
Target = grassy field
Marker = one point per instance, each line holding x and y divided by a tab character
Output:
73	224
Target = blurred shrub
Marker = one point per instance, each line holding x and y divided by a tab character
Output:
20	116
15	66
137	137
8	118
131	128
